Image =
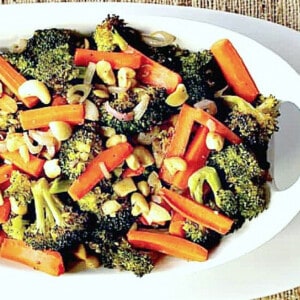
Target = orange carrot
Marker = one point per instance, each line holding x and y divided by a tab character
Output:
132	173
5	172
112	157
47	261
13	80
153	73
234	70
4	210
59	100
116	59
195	157
167	244
34	167
196	212
40	117
187	116
176	224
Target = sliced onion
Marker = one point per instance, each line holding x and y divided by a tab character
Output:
118	115
32	149
158	39
91	111
3	147
78	93
51	151
104	170
141	108
89	73
116	89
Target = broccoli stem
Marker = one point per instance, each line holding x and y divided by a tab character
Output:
39	206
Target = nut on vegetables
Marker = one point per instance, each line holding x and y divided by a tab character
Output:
178	97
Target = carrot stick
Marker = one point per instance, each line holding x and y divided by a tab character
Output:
155	74
167	244
234	70
47	261
117	59
176	225
4	210
40	117
13	80
112	158
34	167
5	172
195	157
196	212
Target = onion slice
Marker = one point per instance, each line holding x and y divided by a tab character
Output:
118	115
141	108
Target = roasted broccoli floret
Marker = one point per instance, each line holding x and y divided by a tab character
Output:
116	253
48	56
156	110
15	227
201	75
75	153
223	198
254	123
203	236
9	122
57	226
107	36
19	192
239	169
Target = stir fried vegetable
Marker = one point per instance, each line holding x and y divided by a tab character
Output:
118	147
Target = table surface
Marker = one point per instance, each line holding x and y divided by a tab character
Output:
269	13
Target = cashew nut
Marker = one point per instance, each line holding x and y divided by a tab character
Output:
178	97
105	72
126	77
36	88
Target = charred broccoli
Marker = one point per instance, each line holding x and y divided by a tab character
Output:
241	173
156	110
9	122
48	56
255	124
57	226
15	227
198	234
79	149
19	192
116	253
201	75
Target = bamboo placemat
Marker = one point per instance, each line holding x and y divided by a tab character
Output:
283	12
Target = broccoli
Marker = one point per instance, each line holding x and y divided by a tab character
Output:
254	123
9	122
201	235
107	36
223	198
240	172
116	253
201	75
15	227
56	226
19	192
48	56
157	110
75	153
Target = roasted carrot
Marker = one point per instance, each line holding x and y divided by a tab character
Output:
167	244
3	235
117	59
112	157
195	157
153	73
176	225
41	117
47	261
34	167
196	212
4	210
13	80
234	70
132	173
5	172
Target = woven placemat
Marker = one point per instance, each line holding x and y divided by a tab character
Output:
283	12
